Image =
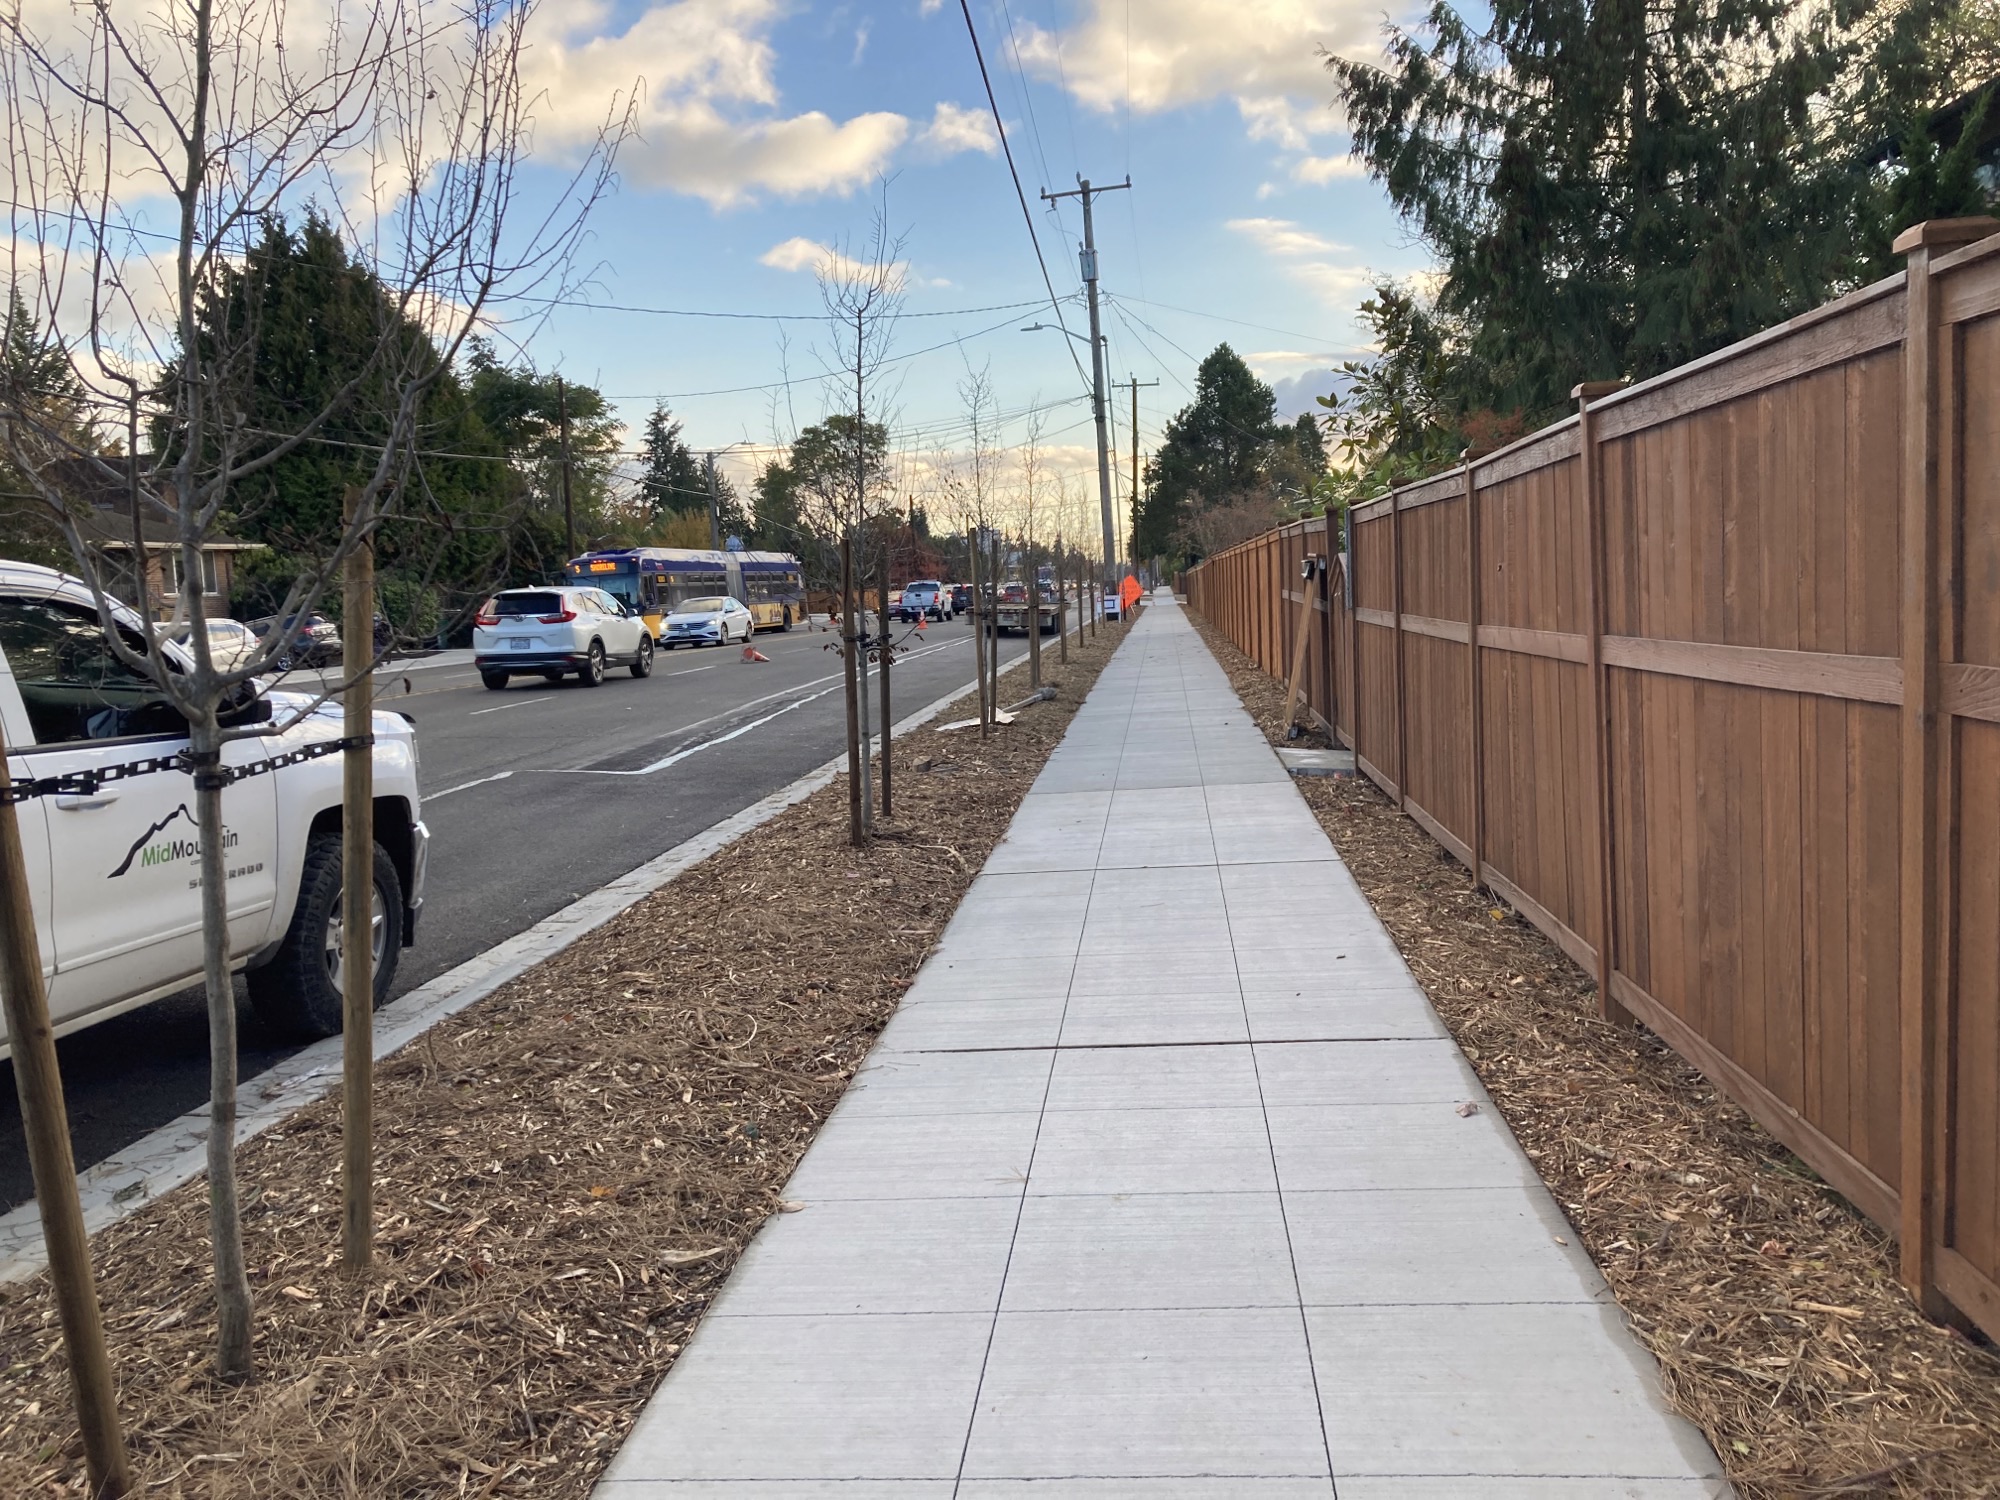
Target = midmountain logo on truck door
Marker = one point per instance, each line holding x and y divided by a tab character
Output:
150	849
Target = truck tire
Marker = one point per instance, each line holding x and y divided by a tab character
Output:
296	994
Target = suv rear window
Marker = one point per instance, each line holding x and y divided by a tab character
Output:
527	604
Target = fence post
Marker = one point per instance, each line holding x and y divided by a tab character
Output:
1926	897
1477	693
1600	696
1396	607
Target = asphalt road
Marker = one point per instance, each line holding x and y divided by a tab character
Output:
534	796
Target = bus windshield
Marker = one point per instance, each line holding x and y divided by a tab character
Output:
624	587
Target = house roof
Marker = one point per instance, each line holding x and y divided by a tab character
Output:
108	523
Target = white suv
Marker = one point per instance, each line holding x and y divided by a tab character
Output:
551	632
113	865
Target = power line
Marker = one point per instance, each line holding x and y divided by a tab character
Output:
1027	101
979	56
797	380
1290	333
762	317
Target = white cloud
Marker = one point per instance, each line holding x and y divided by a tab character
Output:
929	7
1335	285
710	121
953	129
1265	359
1320	170
1190	51
801	254
1284	237
1264	55
1288	242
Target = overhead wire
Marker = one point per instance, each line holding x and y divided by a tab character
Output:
1055	302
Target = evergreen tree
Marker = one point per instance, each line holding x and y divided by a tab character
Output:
671	478
1217	450
313	320
36	375
1613	187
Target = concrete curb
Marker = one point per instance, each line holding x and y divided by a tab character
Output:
158	1163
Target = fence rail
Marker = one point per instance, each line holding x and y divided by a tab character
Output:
1705	681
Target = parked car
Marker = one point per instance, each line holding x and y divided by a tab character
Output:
961	598
1113	607
549	633
924	601
713	621
315	644
229	643
112	867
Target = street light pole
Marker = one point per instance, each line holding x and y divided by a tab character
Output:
1098	403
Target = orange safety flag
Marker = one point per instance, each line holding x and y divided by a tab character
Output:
1129	591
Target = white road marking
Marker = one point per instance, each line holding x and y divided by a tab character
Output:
522	703
466	786
836	681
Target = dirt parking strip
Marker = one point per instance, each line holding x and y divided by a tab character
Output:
567	1171
1771	1303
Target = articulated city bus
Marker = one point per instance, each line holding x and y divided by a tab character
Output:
652	580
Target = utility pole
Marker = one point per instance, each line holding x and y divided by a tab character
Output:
1136	384
569	510
1098	403
715	505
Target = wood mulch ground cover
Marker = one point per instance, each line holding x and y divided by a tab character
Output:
1771	1304
567	1172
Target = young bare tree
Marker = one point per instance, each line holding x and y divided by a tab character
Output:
1035	500
148	151
862	289
969	482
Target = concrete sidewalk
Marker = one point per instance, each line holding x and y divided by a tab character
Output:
1158	1186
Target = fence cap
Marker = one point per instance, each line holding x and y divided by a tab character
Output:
1945	234
1592	390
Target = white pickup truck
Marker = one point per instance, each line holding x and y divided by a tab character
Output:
113	872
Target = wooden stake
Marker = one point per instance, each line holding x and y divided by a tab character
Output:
357	898
45	1123
1308	572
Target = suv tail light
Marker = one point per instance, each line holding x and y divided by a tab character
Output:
561	617
489	613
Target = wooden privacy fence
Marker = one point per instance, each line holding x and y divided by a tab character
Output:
1705	681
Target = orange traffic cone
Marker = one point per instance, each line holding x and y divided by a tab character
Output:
751	653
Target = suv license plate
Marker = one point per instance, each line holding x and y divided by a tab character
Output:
518	645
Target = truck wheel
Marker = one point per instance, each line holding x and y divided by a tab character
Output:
297	994
494	680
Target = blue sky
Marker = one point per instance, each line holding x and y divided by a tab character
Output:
766	128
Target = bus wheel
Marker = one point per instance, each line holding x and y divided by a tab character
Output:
787	625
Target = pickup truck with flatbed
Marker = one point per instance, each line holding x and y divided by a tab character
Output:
113	868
